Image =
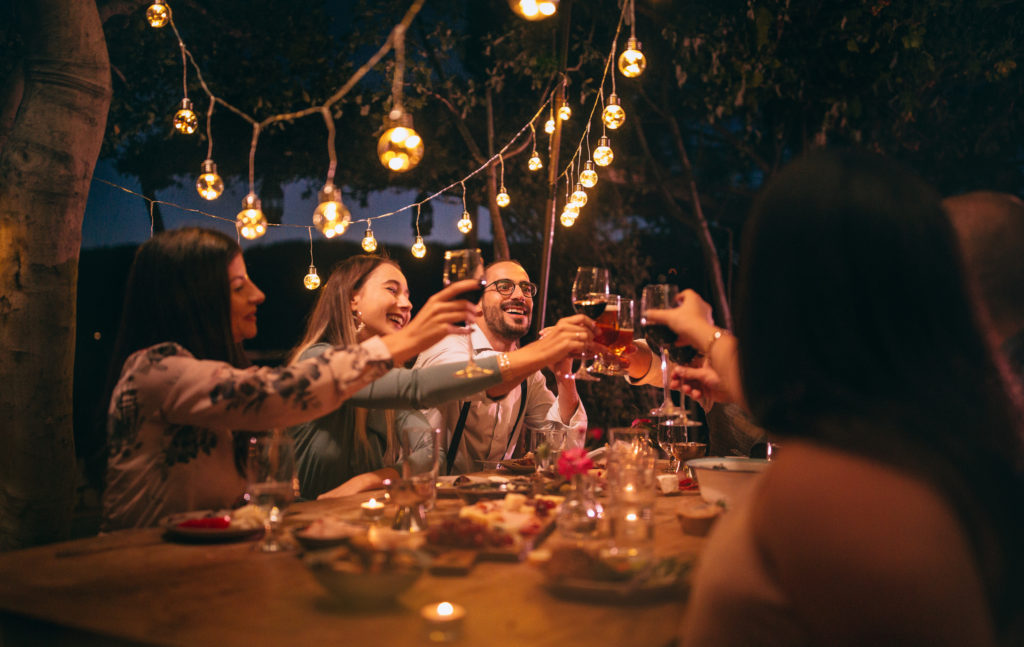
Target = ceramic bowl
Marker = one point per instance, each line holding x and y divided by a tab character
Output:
726	481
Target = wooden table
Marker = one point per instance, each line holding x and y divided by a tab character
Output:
134	587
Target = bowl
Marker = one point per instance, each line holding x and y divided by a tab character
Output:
726	481
365	581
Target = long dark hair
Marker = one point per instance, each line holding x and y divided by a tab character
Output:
856	330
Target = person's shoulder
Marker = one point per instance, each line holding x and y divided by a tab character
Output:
151	355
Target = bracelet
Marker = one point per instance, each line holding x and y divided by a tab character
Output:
718	334
504	363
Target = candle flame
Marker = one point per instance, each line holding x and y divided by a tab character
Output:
445	609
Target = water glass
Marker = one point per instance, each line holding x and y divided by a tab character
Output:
272	483
416	491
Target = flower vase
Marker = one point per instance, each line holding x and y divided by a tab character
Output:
581	514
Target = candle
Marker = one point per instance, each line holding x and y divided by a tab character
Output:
443	621
372	509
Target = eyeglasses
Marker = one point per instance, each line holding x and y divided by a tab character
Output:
506	287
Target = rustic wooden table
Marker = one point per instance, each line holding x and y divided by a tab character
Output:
135	587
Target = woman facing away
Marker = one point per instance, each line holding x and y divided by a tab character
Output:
892	515
355	448
184	383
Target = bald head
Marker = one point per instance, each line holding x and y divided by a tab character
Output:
990	227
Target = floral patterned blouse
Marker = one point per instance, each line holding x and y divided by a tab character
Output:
170	418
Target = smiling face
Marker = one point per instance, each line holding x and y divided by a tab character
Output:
245	297
383	302
507	317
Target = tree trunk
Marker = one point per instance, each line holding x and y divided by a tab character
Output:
46	166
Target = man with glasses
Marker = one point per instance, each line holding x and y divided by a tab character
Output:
491	425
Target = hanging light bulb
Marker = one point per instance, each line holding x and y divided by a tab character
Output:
534	9
579	196
312	279
250	221
400	148
185	120
613	115
569	215
209	185
603	154
464	224
418	249
564	112
588	176
632	61
535	163
158	14
369	243
549	126
502	198
331	216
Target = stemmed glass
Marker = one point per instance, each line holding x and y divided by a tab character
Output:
660	296
678	437
273	484
460	264
589	297
414	493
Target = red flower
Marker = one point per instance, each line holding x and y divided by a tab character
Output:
574	461
597	433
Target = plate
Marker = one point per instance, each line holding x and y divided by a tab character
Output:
518	465
665	585
327	533
472	492
173	529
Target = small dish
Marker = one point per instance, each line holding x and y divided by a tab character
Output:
470	493
174	530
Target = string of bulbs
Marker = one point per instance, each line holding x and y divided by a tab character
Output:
400	147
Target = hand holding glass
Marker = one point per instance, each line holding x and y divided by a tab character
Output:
460	264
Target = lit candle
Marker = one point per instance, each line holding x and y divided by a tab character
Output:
443	621
372	509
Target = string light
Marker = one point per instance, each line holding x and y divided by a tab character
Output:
632	61
579	196
312	279
251	222
464	225
569	215
502	198
158	14
564	112
185	120
331	216
534	9
613	115
400	148
209	185
588	176
418	249
369	243
535	163
603	154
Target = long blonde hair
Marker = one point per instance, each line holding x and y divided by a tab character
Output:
332	321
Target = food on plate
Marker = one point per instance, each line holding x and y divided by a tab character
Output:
688	485
208	523
331	528
505	523
573	562
524	464
248	517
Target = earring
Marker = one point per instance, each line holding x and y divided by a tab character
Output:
359	321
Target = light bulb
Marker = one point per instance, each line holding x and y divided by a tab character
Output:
534	9
588	176
564	112
632	61
369	243
464	224
312	279
579	196
613	115
603	154
400	148
158	14
418	249
535	163
569	215
549	126
331	216
209	185
250	221
185	120
502	198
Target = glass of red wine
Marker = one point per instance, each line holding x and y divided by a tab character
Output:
661	296
590	298
460	264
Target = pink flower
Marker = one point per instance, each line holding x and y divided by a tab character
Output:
574	461
597	433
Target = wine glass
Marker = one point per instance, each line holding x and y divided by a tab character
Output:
589	297
462	264
679	438
414	493
660	296
273	484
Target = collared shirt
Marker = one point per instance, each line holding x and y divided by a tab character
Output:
488	434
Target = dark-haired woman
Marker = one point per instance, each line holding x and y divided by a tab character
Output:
892	515
355	448
184	384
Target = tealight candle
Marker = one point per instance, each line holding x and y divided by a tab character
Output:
372	509
443	621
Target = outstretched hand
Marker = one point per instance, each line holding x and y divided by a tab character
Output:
689	319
